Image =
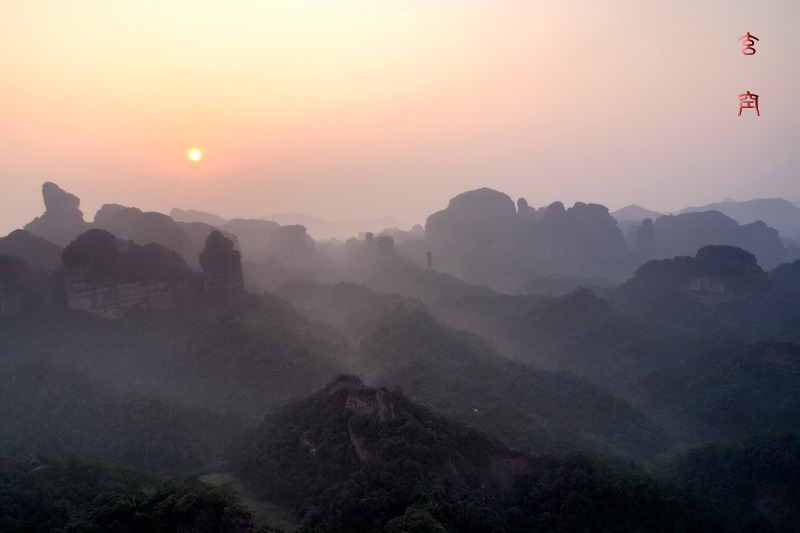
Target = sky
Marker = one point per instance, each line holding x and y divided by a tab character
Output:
349	109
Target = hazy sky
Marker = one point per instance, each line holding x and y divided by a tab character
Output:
347	109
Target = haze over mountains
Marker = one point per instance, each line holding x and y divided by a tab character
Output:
503	368
399	267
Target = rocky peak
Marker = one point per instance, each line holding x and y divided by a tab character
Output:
728	259
554	210
57	200
684	234
344	382
484	201
291	245
484	238
643	245
222	265
377	403
62	220
717	274
524	209
385	245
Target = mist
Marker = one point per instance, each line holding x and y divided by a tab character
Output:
357	266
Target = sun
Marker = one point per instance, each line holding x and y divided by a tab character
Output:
194	154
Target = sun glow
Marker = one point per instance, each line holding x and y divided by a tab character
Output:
194	154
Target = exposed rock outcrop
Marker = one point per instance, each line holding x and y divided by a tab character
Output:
198	233
496	468
483	238
62	220
643	243
371	402
252	236
385	246
476	238
291	245
524	209
717	274
222	266
106	275
680	235
369	428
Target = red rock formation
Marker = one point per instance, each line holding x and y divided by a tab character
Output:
106	276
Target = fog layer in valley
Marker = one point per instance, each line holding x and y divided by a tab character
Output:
502	367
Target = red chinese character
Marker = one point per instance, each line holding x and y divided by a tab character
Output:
749	41
748	100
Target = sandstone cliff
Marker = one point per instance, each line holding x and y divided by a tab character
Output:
482	237
679	235
715	275
106	276
222	266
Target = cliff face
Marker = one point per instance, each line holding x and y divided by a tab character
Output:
370	412
106	276
484	239
291	245
679	235
85	292
198	233
222	266
717	274
62	220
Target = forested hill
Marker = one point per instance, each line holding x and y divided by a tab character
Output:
51	494
756	474
353	458
51	410
398	342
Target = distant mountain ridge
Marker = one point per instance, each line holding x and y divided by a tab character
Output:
777	213
482	236
36	251
317	227
634	213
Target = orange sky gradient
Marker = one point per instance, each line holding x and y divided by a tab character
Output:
349	109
